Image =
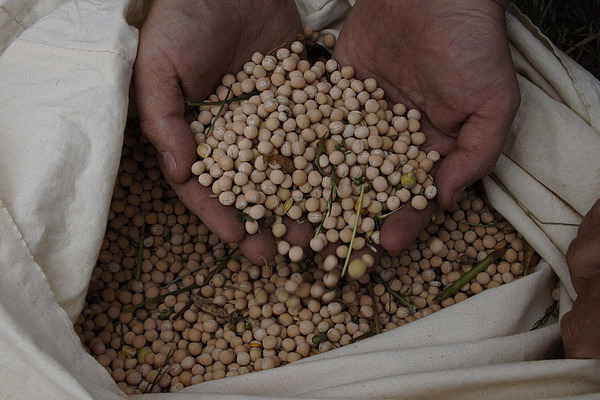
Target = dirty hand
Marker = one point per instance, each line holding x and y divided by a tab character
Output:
581	326
185	48
451	60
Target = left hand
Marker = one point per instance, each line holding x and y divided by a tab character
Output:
185	48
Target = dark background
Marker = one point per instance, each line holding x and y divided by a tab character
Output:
573	25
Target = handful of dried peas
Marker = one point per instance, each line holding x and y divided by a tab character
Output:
199	311
283	137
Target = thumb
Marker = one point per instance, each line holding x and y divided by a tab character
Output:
161	109
479	144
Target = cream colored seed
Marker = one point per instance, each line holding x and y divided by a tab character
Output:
419	202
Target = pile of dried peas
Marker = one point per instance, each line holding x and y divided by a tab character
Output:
248	317
169	305
284	138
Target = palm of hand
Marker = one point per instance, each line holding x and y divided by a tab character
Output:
185	48
451	60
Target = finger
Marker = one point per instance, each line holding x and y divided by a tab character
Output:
259	248
591	219
161	109
579	327
402	227
583	258
298	233
218	218
436	139
479	144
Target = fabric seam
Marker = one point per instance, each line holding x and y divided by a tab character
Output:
13	18
78	49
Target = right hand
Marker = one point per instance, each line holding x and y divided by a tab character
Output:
451	60
581	326
185	48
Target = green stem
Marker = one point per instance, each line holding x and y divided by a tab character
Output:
333	180
212	122
184	309
360	200
161	297
221	265
364	336
244	96
466	278
184	289
180	277
377	279
138	269
161	373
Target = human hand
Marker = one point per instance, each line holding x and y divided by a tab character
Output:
450	59
185	48
581	326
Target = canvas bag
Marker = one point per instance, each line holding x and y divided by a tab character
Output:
65	72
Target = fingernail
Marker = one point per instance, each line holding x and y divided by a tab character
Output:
169	164
457	195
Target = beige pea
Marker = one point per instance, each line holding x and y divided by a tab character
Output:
256	212
296	253
329	41
430	192
205	179
413	114
227	198
371	106
380	184
295	212
283	247
198	168
317	244
297	47
251	227
277	176
417	138
419	202
347	72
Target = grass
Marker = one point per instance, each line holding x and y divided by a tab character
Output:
573	25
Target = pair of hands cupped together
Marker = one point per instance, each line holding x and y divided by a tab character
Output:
450	59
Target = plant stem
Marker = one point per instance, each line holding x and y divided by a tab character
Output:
333	180
360	200
550	311
138	269
376	322
397	295
466	278
161	297
184	309
161	373
187	288
212	122
244	96
361	337
221	265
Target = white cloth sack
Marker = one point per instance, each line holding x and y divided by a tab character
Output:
65	72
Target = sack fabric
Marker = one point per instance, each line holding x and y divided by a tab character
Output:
65	73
